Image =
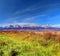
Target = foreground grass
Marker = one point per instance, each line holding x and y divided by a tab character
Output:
13	47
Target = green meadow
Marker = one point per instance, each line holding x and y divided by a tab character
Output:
10	46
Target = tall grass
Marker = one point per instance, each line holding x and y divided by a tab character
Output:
35	45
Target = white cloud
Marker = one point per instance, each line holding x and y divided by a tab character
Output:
12	19
36	7
56	25
20	23
32	18
16	19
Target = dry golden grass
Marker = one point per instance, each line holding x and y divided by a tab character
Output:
33	36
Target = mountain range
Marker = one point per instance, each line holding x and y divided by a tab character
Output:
29	27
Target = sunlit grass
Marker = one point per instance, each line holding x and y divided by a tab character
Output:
33	45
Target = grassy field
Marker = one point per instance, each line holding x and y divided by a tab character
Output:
15	43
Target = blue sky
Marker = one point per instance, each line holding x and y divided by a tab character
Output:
30	11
